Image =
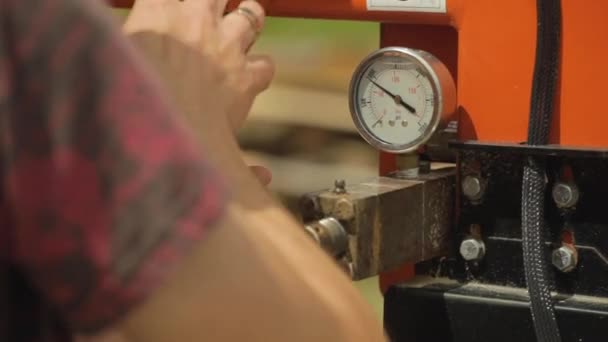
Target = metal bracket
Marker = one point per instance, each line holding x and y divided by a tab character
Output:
389	221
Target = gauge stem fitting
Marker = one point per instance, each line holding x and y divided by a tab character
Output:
407	165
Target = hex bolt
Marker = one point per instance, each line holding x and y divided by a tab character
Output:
344	209
472	188
472	249
565	195
565	259
340	186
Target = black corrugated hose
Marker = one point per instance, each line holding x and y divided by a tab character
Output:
536	262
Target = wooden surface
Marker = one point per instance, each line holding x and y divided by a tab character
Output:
313	106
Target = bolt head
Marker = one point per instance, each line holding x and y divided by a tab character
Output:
340	186
472	249
565	195
472	187
564	259
344	210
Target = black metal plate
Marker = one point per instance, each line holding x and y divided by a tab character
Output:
473	313
532	150
499	216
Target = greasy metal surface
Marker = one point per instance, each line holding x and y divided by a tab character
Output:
498	215
532	150
439	310
394	221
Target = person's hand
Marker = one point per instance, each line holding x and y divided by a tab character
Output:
202	57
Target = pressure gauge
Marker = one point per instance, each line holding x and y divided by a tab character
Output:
399	97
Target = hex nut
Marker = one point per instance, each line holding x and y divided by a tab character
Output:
565	195
565	259
472	249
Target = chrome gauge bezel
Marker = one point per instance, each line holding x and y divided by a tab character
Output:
441	83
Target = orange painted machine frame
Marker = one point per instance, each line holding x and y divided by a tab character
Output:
489	46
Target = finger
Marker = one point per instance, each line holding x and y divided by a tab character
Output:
221	5
190	21
242	26
262	71
197	18
262	174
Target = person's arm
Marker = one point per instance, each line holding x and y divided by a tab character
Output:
255	279
124	224
258	277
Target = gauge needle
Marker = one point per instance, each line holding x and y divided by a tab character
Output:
398	100
378	122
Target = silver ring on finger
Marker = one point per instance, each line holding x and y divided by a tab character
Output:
251	17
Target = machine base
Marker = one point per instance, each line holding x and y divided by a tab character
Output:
444	311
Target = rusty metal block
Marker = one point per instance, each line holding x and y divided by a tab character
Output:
392	221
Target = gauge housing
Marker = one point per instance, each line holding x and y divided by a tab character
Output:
442	84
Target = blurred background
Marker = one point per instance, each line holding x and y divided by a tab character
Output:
301	128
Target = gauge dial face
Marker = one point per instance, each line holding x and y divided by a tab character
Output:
394	101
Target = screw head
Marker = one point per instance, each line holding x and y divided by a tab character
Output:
564	259
472	187
472	249
565	195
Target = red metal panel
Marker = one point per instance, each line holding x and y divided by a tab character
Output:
489	46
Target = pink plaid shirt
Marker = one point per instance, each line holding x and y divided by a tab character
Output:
102	187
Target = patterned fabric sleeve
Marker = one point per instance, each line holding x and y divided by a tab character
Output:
106	188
